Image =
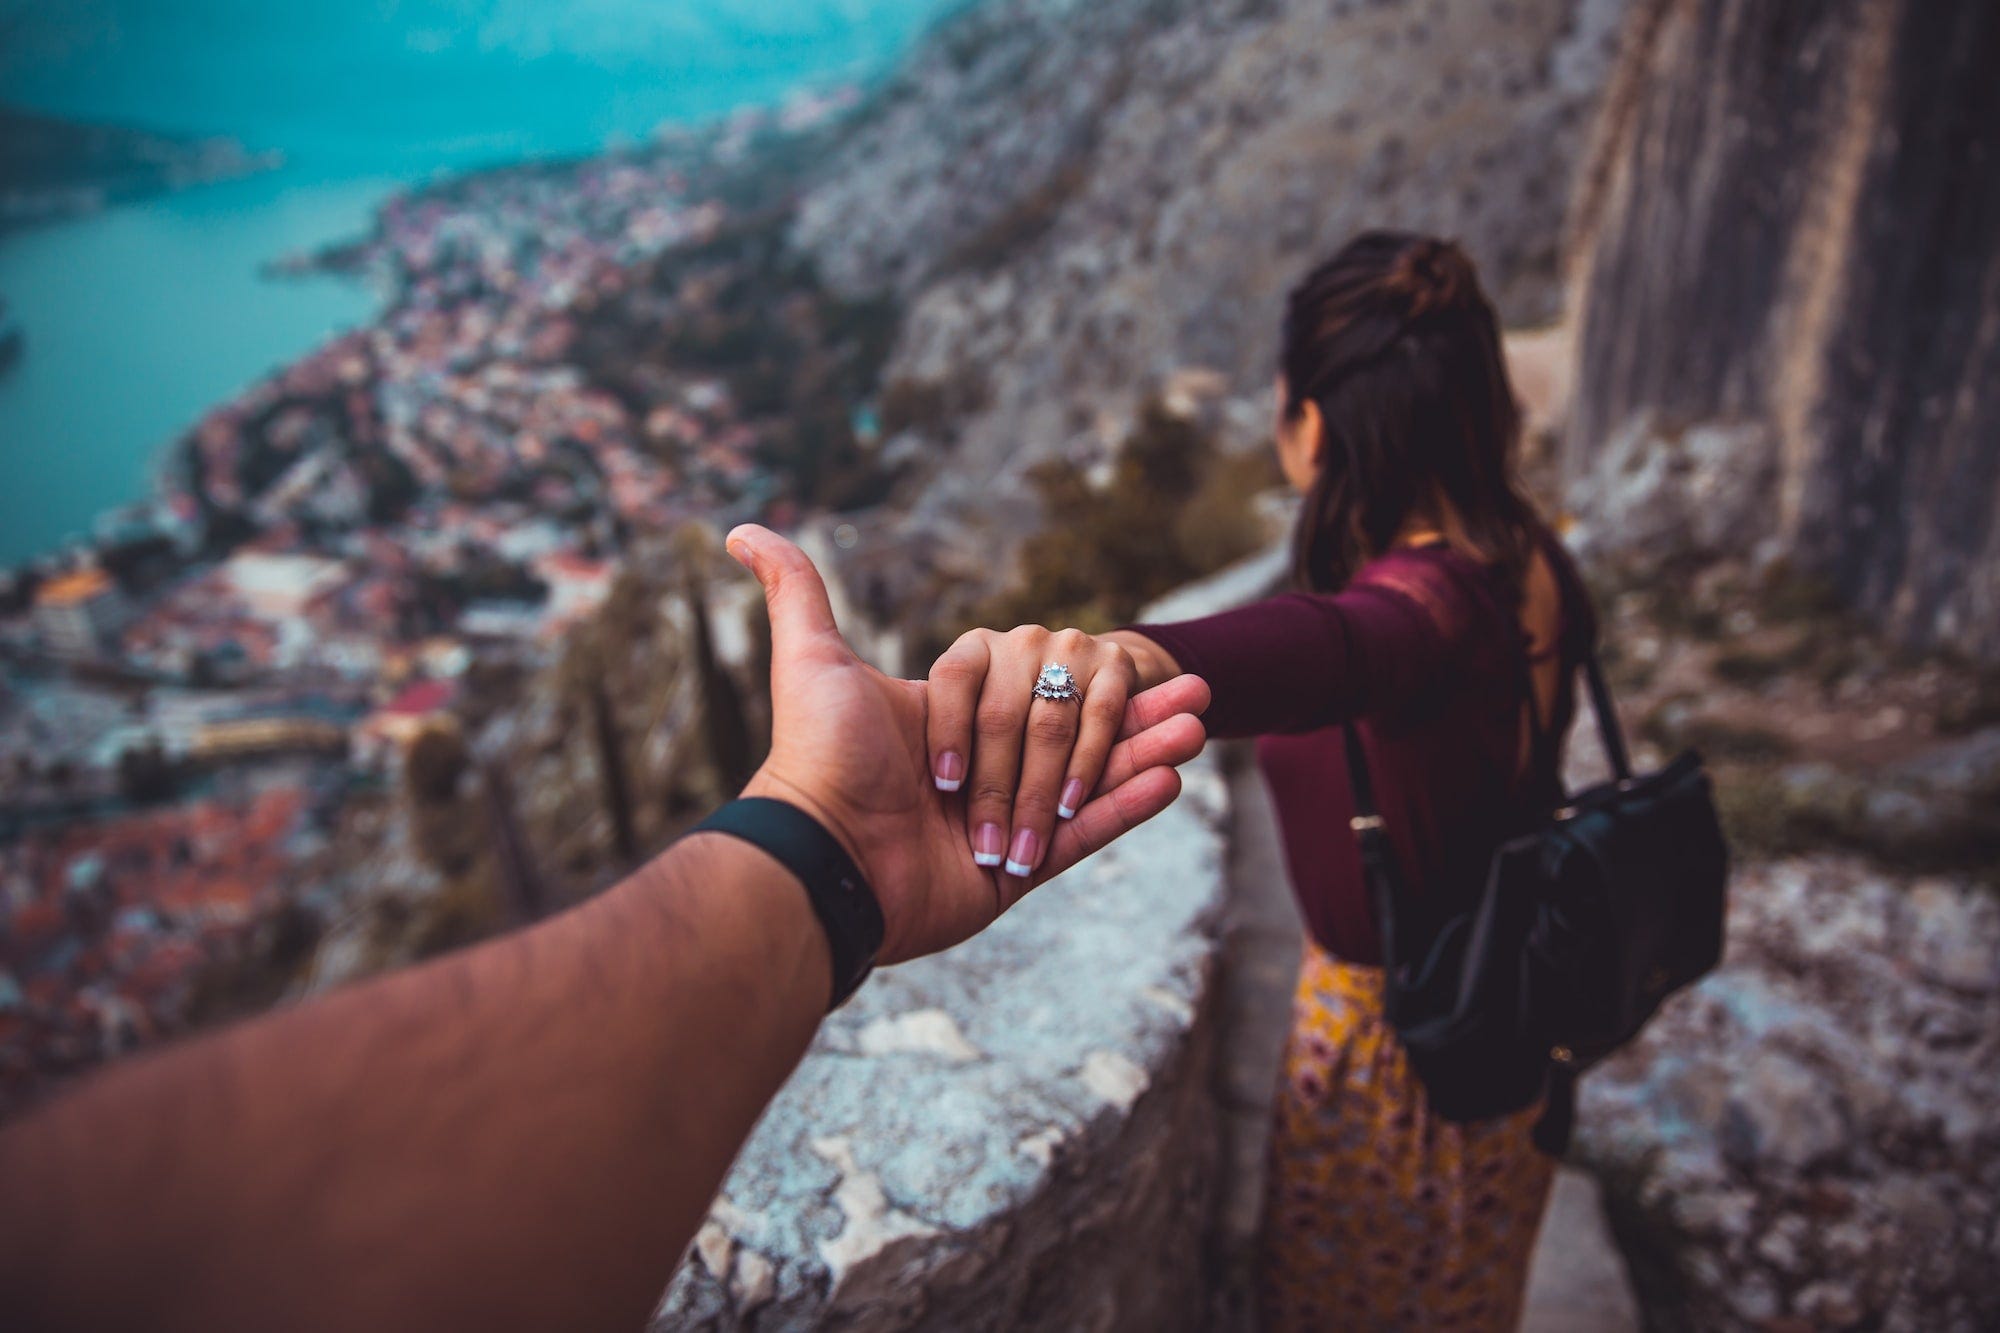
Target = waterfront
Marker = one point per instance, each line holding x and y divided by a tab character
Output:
383	482
447	484
141	318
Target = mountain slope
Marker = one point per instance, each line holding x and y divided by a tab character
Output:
1077	201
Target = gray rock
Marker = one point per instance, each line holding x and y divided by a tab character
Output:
1783	1112
1970	764
1839	1073
1722	1214
1921	1210
1703	490
1783	1245
1940	808
1847	1243
1755	1299
1829	1305
1955	940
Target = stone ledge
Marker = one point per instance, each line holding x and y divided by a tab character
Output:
1017	1134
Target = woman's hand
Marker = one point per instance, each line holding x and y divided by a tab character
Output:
1029	761
850	746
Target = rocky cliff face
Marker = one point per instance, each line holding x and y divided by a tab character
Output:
1784	274
1792	229
1075	201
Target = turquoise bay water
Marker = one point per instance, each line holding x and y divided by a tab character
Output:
139	319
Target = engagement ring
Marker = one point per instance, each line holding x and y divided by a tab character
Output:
1055	682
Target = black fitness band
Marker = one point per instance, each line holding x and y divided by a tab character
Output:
838	891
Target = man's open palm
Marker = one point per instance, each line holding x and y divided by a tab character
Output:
849	746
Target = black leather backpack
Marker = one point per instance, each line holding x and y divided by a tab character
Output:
1585	924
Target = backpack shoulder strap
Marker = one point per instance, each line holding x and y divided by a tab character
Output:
1378	854
1607	717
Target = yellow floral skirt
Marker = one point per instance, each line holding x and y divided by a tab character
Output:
1377	1214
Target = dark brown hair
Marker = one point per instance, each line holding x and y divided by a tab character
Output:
1400	349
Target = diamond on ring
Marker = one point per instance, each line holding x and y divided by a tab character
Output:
1056	682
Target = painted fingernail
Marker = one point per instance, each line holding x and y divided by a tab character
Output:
988	842
949	772
1072	798
1021	861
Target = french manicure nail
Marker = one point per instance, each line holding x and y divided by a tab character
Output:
1072	798
1021	861
949	773
988	843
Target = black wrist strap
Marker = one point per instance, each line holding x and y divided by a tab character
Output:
839	894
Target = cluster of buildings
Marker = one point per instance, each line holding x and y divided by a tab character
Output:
107	925
329	554
79	613
474	370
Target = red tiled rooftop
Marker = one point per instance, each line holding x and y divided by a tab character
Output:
421	699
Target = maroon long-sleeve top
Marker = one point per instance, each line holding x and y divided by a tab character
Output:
1423	650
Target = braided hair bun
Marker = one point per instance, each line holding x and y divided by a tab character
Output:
1434	275
1396	345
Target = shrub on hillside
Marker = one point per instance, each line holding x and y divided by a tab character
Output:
1175	508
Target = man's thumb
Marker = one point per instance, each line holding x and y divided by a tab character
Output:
793	590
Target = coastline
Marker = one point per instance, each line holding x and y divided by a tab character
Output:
335	559
143	318
55	170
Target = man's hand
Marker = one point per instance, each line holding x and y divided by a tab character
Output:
849	746
526	1133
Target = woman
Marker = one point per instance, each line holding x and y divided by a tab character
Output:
1436	614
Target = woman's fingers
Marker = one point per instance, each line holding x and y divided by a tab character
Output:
1166	745
1046	746
1139	780
955	682
1110	816
1182	694
1107	817
1048	758
998	725
1032	763
1102	715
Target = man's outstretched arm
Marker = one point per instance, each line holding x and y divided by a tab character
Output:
517	1136
525	1134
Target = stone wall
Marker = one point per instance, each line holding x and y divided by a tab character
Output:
1019	1134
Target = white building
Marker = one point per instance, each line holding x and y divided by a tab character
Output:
79	614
